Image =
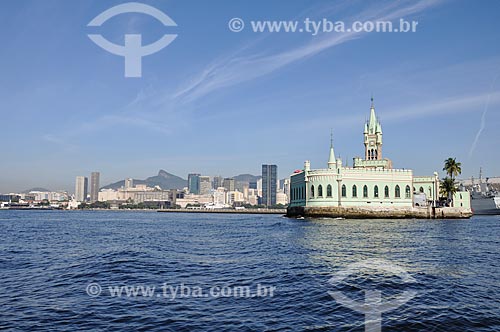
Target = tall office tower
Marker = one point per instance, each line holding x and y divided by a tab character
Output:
81	188
217	182
228	184
194	183
205	185
286	188
269	180
129	183
94	186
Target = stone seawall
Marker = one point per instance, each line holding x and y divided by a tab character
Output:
379	212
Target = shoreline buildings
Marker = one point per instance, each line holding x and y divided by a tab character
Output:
269	184
194	183
81	188
371	188
94	186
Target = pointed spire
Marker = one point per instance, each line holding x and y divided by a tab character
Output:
331	158
372	124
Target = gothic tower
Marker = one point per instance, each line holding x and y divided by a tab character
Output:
373	136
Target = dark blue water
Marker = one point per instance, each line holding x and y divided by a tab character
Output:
48	259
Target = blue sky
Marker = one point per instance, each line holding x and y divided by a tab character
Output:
220	102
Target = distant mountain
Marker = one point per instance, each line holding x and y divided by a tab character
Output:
35	189
247	178
164	179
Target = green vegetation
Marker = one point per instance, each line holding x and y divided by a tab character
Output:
448	186
95	205
452	167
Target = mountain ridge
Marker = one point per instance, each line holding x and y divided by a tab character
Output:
164	180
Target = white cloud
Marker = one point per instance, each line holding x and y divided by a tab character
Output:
238	69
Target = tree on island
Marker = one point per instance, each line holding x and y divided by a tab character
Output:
448	185
452	167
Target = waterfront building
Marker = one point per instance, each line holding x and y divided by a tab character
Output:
107	195
217	182
205	185
253	197
234	198
51	196
371	184
259	187
94	186
229	184
129	183
269	184
286	187
281	198
219	196
81	188
194	183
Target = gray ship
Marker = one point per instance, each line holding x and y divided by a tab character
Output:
484	201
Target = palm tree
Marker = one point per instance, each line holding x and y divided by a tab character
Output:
448	188
452	167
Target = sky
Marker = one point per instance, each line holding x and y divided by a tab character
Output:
219	102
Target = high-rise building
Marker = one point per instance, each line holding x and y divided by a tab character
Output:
129	183
217	182
81	188
205	185
194	183
269	180
94	186
229	184
286	187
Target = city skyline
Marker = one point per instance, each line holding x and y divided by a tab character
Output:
231	101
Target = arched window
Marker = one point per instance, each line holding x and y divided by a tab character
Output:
407	192
376	154
365	191
329	191
386	192
397	192
354	191
320	191
421	189
312	191
344	191
375	191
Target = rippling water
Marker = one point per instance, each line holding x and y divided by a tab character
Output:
48	259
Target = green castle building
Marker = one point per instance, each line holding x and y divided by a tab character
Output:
370	188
